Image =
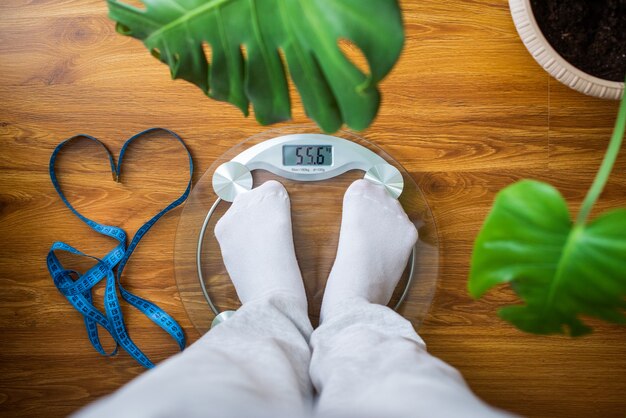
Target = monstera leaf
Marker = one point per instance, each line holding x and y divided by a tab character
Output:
560	268
246	39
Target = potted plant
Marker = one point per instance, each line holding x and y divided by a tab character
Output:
581	43
562	268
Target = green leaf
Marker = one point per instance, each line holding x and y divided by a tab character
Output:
246	36
559	269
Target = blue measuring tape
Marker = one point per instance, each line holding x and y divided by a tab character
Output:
77	288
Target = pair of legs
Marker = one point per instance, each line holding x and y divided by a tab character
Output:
364	360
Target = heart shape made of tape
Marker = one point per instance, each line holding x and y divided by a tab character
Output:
77	288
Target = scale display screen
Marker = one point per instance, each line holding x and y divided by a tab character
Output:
307	155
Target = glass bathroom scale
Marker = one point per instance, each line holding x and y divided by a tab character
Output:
316	169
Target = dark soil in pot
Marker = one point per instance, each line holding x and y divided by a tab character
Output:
589	34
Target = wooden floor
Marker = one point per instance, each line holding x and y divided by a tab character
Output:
467	111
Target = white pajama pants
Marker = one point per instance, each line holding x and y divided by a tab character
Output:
267	361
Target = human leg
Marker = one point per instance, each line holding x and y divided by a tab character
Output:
367	360
255	363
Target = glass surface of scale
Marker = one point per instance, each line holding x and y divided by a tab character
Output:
316	170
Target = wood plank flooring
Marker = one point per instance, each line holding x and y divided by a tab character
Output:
467	111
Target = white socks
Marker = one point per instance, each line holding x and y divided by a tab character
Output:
257	244
375	242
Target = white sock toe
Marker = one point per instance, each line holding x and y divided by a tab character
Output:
375	242
256	240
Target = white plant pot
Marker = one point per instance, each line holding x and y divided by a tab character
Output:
552	62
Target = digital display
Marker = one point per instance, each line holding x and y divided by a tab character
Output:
307	155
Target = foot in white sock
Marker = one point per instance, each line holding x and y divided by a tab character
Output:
375	242
257	244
